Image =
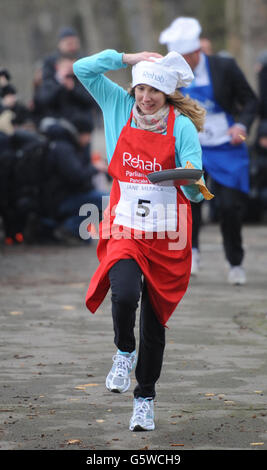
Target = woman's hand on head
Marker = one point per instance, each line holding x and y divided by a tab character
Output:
132	59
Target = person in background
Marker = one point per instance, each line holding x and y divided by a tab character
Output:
258	153
5	77
68	47
69	174
62	96
58	93
17	129
261	69
231	105
10	101
206	46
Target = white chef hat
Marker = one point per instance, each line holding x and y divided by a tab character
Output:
182	35
165	74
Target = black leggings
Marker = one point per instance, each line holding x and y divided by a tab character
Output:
230	205
126	287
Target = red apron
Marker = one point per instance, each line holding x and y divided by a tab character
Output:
149	223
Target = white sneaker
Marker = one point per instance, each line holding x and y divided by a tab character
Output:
143	415
195	262
237	276
118	379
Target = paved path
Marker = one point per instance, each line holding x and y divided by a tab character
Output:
55	355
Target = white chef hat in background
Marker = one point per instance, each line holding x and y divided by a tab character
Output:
182	35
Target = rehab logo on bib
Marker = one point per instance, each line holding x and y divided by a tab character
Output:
137	163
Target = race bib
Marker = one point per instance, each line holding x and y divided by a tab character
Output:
215	130
147	207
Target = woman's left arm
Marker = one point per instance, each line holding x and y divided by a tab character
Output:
188	149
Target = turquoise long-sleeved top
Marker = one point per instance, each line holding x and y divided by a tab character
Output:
116	105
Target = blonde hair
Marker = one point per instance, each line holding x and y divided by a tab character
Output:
186	106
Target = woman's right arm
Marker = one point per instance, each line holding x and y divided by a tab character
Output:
90	71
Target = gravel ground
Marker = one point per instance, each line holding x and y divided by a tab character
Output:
55	356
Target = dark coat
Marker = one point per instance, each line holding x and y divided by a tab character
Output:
263	91
232	90
54	100
67	170
49	63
